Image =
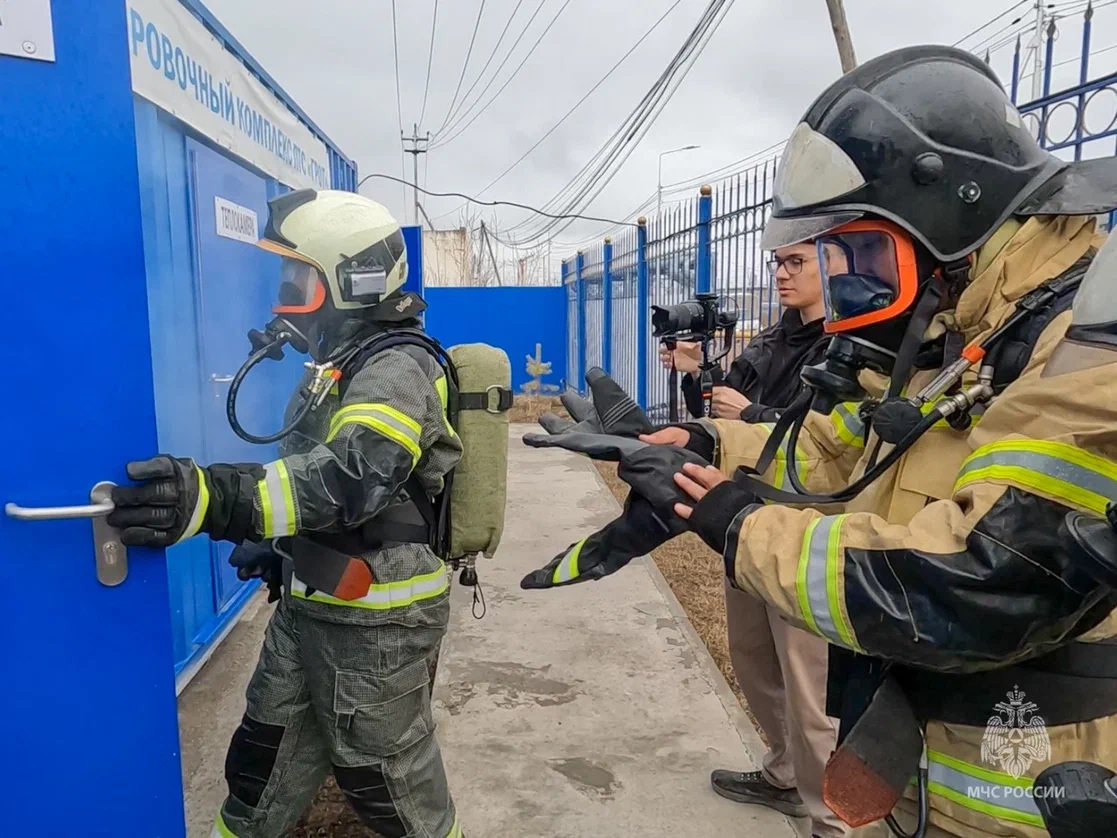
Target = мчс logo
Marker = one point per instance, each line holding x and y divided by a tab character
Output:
1016	737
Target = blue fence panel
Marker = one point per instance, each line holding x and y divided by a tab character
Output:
672	277
741	206
624	344
592	269
569	282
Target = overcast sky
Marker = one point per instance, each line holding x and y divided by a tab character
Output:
764	66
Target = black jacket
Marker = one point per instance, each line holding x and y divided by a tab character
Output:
767	372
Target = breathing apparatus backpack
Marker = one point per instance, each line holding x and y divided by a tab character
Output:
467	518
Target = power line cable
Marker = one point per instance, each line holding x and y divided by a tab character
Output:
1005	13
465	66
577	105
484	69
628	137
458	132
609	152
469	199
430	61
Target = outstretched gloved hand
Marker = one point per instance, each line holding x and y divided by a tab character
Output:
610	410
649	518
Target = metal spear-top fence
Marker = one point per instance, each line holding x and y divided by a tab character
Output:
712	242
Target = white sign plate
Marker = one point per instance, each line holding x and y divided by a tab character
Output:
26	30
184	70
236	222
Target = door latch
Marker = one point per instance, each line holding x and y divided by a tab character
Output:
109	551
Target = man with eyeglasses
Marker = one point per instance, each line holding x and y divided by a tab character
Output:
764	379
781	669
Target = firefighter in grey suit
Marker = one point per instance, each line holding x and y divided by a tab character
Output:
343	681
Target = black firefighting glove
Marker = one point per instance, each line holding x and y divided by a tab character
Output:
638	531
649	517
259	561
611	410
715	513
178	499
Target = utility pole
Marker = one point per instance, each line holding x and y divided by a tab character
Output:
492	256
418	146
841	34
1037	71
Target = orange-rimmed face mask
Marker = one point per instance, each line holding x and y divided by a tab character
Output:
869	274
302	288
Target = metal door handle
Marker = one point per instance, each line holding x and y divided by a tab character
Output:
221	379
110	552
58	513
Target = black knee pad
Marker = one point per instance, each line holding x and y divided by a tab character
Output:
366	789
251	759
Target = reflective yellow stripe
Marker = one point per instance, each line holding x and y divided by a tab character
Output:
848	425
567	569
1063	472
383	597
780	479
277	501
441	386
200	508
455	830
220	830
385	420
980	790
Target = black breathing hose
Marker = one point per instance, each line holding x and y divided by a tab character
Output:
231	403
854	489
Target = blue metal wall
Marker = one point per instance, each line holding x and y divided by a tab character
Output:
514	319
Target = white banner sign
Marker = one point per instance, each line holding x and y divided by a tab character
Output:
236	222
179	66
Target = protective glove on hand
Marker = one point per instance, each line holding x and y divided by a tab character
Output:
649	517
259	561
178	499
611	411
637	532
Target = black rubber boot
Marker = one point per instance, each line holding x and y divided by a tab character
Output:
754	787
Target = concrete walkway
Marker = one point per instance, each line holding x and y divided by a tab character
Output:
589	711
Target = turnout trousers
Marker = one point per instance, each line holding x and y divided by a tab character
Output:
341	690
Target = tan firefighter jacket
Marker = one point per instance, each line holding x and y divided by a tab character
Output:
944	560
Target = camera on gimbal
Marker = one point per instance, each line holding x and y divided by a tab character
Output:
699	320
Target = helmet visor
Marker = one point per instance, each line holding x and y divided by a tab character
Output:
868	273
302	286
301	289
813	169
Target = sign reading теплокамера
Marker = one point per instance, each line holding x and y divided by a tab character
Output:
236	222
183	69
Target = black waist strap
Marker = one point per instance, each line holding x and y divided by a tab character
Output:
411	521
1077	683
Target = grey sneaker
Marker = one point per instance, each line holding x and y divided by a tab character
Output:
754	787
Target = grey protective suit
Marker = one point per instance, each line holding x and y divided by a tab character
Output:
345	686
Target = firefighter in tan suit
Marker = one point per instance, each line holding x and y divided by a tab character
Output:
914	511
948	241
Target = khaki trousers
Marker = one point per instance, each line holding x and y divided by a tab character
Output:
782	672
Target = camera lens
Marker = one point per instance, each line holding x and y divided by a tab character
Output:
678	319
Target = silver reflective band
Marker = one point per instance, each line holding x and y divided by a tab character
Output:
813	169
385	596
817	592
982	794
1076	479
567	569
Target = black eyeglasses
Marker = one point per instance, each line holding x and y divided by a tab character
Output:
792	264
